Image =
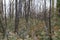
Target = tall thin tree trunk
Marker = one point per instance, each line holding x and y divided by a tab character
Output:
17	10
1	15
16	17
50	34
20	8
10	9
45	17
5	26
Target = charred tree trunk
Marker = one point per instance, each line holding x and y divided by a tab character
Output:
1	16
48	21
27	11
50	34
16	17
45	18
18	9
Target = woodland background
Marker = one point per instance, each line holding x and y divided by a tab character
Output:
22	20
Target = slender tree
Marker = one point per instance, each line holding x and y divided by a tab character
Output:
10	9
5	20
1	19
1	15
16	17
50	34
18	9
45	17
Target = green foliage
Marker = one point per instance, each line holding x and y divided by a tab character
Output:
58	3
57	20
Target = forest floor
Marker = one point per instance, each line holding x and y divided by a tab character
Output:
39	28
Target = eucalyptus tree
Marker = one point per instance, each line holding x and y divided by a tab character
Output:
53	10
45	17
1	18
50	33
5	16
5	19
18	12
1	15
2	28
20	8
27	10
16	17
11	8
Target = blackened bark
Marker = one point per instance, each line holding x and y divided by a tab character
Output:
26	12
59	12
1	16
16	17
50	34
18	10
45	18
1	19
